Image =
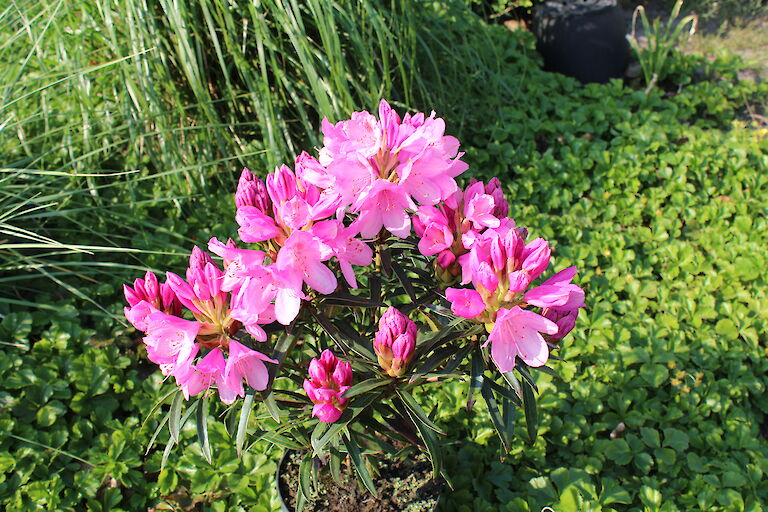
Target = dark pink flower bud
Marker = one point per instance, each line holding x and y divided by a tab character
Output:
395	342
198	282
281	185
214	277
171	304
328	379
565	319
445	258
152	288
199	258
183	291
536	257
131	296
317	371
252	192
501	206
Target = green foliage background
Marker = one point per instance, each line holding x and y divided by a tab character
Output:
659	198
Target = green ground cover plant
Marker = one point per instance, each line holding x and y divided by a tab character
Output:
659	198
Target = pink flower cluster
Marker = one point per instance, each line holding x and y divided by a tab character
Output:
501	267
312	222
450	229
377	169
175	343
329	378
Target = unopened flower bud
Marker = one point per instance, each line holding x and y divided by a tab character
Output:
199	258
395	342
564	318
328	379
501	206
251	191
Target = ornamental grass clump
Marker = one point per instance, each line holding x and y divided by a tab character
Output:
362	275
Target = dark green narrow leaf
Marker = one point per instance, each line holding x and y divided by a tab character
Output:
301	501
508	415
175	416
322	441
157	432
386	262
356	406
493	410
366	385
444	336
317	433
475	378
158	404
242	424
547	370
166	453
347	343
359	463
202	427
531	414
305	476
514	383
456	359
281	349
269	400
231	421
433	361
281	441
182	422
418	413
347	299
525	373
335	464
402	276
430	441
419	302
362	346
448	480
505	392
374	284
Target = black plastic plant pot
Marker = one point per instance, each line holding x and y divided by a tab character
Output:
284	502
583	39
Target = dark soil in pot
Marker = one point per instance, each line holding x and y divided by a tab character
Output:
402	486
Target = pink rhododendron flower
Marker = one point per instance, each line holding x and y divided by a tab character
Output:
170	341
347	249
557	291
244	363
300	261
150	296
451	228
203	295
208	371
412	154
385	205
517	332
501	266
395	342
465	302
560	300
329	378
137	315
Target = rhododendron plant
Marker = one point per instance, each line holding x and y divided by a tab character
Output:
361	274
